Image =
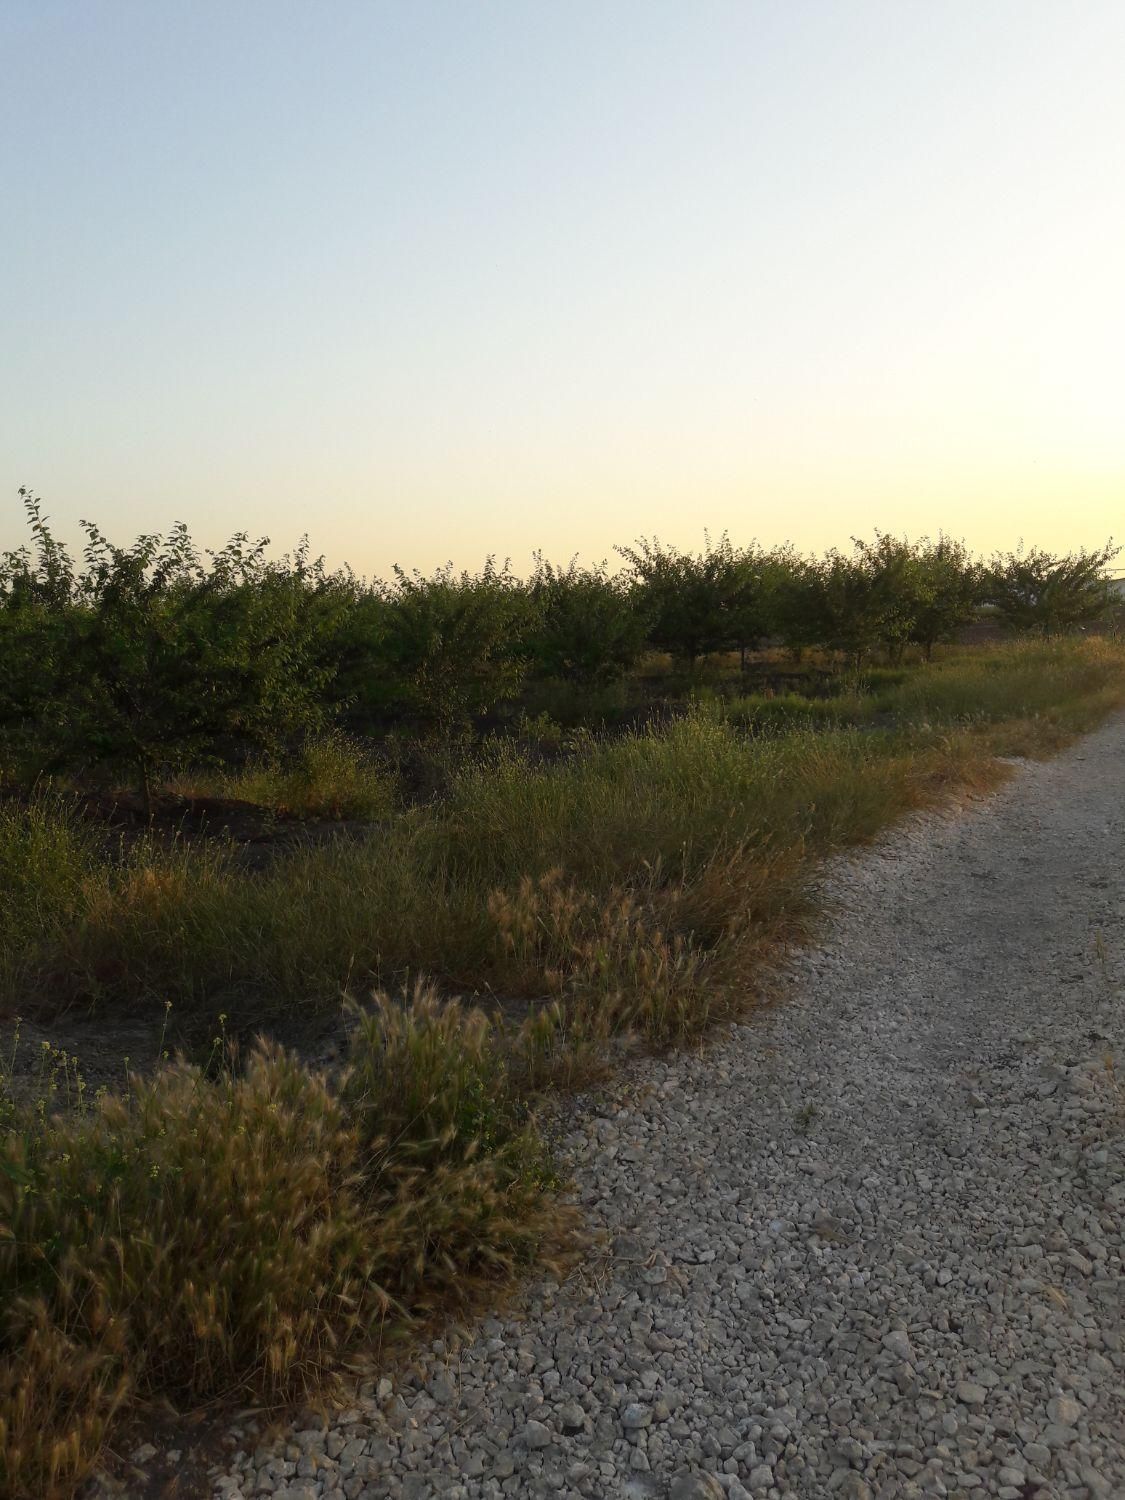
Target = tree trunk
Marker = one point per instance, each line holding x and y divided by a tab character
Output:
146	788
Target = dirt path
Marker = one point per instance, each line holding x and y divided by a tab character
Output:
867	1245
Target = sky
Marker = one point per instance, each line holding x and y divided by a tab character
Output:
442	278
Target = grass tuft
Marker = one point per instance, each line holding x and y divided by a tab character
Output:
236	1237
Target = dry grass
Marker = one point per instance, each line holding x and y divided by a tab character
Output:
228	1238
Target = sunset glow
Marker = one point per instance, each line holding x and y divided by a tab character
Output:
433	280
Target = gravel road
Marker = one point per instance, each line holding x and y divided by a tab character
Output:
867	1245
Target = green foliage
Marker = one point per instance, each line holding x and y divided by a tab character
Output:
154	656
43	577
891	569
787	711
36	653
1035	692
152	659
178	655
843	604
1036	590
796	617
885	593
454	643
587	626
947	592
698	603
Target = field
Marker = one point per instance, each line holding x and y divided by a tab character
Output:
286	1010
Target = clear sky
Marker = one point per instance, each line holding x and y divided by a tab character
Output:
446	277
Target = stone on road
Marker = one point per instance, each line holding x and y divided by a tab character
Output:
866	1245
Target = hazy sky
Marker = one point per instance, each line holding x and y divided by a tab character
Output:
432	280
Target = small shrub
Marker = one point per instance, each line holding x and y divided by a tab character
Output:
430	1078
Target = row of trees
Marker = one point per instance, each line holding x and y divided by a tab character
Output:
155	653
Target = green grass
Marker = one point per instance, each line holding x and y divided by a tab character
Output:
1043	690
679	835
690	828
785	712
47	860
331	777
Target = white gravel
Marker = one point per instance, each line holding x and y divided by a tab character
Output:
867	1245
